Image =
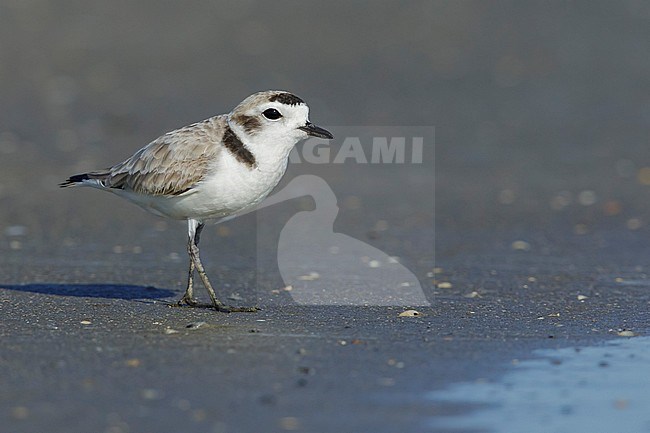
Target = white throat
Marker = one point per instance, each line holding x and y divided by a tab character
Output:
270	149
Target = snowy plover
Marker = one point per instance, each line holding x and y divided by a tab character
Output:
211	170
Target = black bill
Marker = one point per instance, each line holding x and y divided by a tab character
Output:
316	131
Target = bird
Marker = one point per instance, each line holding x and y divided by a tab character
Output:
211	171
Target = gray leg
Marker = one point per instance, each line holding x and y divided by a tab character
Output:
188	297
194	230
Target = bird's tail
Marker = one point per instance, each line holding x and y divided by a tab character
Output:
95	178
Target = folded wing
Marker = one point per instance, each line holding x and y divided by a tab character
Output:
170	165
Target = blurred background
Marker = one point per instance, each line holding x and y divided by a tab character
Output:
541	113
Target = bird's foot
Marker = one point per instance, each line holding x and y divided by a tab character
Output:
188	300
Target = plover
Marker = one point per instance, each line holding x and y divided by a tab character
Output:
211	170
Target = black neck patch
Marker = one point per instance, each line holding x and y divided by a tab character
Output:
237	148
286	98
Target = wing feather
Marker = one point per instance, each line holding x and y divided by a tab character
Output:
172	164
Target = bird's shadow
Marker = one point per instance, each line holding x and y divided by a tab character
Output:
106	291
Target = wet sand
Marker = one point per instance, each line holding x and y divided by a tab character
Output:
539	173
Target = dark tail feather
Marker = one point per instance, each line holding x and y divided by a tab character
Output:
79	178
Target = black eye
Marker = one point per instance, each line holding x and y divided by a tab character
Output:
272	114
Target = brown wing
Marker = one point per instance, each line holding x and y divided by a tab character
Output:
173	163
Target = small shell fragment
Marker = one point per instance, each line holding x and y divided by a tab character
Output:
195	325
582	297
312	276
445	285
133	362
520	245
409	313
626	333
